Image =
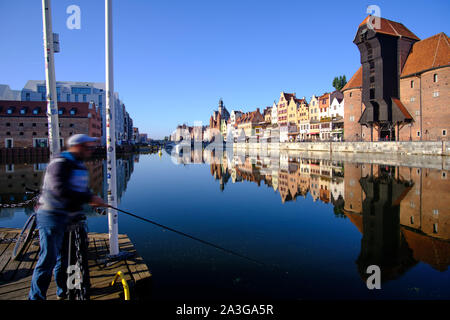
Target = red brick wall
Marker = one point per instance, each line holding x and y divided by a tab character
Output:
353	109
24	128
435	110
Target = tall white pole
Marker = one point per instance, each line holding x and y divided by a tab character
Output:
110	134
52	104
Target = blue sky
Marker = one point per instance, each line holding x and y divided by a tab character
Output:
174	59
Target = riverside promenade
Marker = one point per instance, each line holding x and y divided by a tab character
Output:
432	155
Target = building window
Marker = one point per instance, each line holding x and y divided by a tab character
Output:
435	228
40	142
68	97
21	124
436	94
8	124
10	110
73	111
34	124
9	143
412	99
412	220
8	133
34	133
84	98
352	118
418	133
21	133
27	96
36	110
444	132
76	98
351	93
435	77
444	175
412	83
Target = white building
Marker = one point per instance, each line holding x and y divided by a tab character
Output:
7	94
72	91
337	108
284	136
274	115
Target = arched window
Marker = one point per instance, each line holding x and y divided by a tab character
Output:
435	77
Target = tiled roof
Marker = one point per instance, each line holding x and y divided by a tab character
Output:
253	117
355	81
402	108
392	28
427	54
288	96
300	101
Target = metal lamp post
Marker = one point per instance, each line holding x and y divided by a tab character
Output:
52	104
110	134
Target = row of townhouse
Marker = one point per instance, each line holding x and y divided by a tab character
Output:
291	119
400	92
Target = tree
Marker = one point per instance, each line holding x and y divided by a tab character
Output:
339	82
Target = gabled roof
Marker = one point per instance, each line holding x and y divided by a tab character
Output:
429	53
300	101
391	28
288	96
253	117
355	81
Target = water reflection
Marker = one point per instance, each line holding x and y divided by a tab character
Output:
401	212
15	177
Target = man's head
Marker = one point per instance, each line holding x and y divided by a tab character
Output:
81	145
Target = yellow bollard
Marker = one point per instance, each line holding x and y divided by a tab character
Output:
126	289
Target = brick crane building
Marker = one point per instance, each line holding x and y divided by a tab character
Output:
401	90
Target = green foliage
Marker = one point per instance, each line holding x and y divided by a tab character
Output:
339	82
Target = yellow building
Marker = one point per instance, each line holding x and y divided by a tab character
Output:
282	107
303	120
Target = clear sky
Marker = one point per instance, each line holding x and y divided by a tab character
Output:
174	59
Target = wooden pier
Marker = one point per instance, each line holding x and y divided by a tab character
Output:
15	276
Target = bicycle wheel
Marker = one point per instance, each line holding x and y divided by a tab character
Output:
24	238
78	256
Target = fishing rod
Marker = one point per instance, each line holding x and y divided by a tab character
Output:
189	236
178	232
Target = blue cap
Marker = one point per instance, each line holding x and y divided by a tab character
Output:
79	139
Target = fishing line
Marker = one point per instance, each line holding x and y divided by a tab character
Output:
189	236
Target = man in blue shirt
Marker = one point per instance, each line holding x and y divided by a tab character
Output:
64	192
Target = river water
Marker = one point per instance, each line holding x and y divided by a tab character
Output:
314	224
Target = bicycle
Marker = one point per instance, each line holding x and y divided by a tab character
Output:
77	251
25	237
77	256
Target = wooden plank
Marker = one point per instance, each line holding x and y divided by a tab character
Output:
5	258
29	259
19	273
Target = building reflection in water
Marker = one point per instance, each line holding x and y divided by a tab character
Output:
401	212
15	177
